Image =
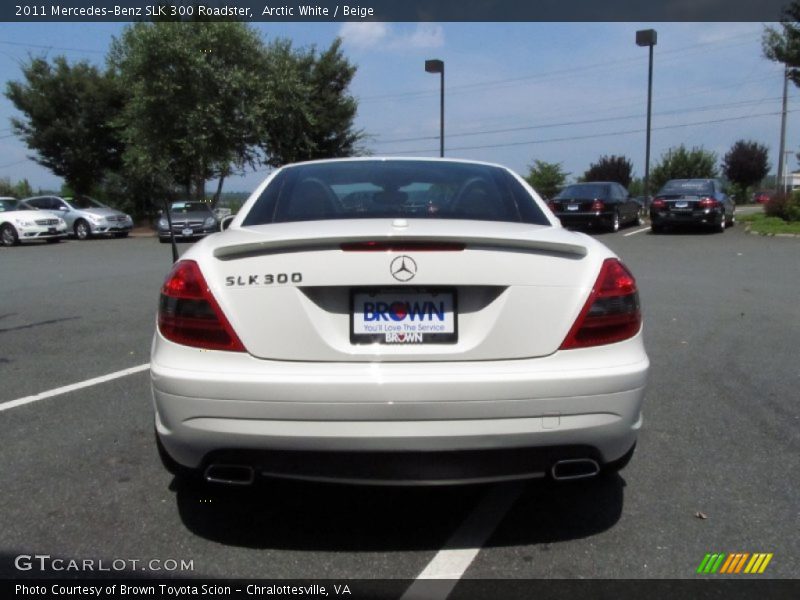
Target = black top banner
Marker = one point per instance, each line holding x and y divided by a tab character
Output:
395	10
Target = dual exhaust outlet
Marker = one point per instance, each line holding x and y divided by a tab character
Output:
563	470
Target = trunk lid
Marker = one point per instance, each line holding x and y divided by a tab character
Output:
291	292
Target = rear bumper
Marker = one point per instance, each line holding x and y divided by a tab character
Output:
696	217
584	219
211	404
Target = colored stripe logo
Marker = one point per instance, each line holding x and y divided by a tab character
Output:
734	563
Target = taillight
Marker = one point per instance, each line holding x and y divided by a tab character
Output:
188	314
552	206
611	314
597	206
659	203
708	203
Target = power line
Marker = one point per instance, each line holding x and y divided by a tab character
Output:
743	103
52	47
590	136
549	75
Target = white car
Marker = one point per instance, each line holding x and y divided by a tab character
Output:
397	321
20	224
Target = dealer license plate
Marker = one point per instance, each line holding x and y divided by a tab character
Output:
681	205
416	316
572	207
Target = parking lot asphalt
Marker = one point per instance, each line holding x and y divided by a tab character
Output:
715	469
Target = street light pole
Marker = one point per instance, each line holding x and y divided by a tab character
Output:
437	66
781	183
648	37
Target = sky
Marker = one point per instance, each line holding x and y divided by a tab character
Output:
564	93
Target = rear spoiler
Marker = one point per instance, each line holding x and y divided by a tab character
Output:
263	248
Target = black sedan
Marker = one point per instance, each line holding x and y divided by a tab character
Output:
191	220
603	204
692	202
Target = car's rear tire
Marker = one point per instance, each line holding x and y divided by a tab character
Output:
8	235
721	225
82	229
656	229
615	222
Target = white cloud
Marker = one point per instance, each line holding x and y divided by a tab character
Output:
426	35
364	35
369	35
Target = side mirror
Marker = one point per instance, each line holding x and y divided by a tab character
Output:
226	222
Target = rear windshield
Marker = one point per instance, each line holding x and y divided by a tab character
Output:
372	189
690	187
588	191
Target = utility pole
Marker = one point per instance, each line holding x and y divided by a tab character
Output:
781	183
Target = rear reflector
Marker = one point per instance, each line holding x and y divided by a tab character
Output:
392	246
188	314
611	313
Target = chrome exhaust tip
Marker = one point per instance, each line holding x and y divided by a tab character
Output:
574	468
230	474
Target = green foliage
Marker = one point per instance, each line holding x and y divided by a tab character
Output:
783	45
766	225
784	206
680	163
610	168
741	194
636	187
68	113
21	189
746	163
546	178
194	100
312	113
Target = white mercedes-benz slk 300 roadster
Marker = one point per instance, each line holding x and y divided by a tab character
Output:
397	321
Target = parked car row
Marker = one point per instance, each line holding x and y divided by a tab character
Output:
607	205
21	223
52	218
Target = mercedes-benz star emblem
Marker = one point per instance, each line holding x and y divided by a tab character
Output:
403	268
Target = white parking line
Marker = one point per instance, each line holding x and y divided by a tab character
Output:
439	578
637	231
72	387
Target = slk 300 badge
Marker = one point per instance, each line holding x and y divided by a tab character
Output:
264	279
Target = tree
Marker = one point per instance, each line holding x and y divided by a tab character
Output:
680	163
69	112
313	113
22	189
195	100
746	164
610	168
783	45
546	178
